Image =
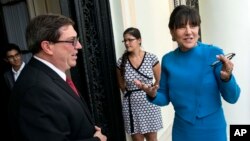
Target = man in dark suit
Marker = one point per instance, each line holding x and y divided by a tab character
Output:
43	107
13	56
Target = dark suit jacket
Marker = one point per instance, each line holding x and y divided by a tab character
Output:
9	78
43	107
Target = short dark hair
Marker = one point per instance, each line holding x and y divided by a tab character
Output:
11	46
45	27
183	14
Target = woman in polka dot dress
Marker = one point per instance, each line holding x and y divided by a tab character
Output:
142	119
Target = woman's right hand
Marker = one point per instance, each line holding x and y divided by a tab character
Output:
150	90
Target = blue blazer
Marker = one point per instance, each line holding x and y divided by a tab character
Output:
192	85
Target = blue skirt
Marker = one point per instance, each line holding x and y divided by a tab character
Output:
208	128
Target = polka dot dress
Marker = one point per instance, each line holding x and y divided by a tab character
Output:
146	116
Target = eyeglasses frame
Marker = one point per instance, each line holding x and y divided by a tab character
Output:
129	40
73	42
228	56
16	56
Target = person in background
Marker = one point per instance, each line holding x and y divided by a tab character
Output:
13	56
15	63
192	84
43	107
142	119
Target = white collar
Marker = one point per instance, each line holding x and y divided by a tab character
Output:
58	71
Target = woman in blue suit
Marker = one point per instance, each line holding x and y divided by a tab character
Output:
191	84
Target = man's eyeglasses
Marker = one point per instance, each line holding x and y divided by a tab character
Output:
129	40
73	42
15	56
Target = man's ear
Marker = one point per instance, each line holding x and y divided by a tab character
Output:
46	47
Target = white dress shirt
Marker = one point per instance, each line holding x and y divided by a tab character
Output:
17	73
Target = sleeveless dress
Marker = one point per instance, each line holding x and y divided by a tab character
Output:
140	116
